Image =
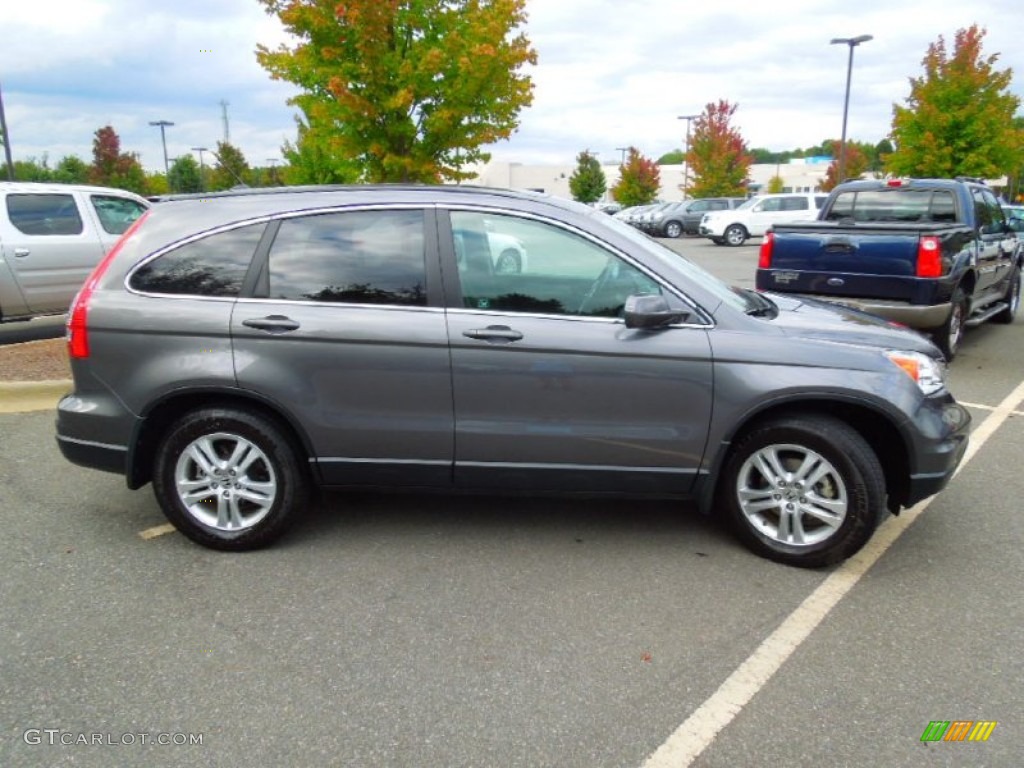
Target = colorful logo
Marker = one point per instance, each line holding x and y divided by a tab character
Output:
958	730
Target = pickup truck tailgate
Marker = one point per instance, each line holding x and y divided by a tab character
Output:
830	260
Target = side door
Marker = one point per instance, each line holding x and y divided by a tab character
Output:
49	247
346	332
694	213
763	215
996	246
551	390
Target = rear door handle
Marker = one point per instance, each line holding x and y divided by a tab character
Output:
272	324
21	252
493	333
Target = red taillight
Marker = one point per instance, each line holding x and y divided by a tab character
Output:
764	261
894	183
77	333
929	257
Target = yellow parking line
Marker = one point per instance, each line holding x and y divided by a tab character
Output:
158	530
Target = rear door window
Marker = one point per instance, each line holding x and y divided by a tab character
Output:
215	265
116	214
44	214
357	257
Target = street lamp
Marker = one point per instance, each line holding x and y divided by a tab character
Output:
852	42
686	152
202	172
163	137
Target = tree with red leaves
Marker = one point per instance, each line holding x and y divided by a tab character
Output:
718	156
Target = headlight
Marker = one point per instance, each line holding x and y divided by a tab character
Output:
925	371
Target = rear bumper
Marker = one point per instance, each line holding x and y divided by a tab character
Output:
101	456
911	315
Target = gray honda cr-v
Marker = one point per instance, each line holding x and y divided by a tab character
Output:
239	350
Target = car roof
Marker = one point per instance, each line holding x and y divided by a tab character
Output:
41	187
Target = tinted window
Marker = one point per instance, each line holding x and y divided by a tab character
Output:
795	204
363	257
212	266
989	213
771	204
560	273
44	214
116	214
894	204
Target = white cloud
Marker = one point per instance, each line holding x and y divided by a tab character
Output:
610	73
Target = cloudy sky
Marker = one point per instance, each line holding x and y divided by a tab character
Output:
611	73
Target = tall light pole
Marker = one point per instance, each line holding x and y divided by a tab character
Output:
202	172
623	150
686	152
163	138
852	42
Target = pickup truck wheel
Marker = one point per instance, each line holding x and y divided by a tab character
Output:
229	479
1012	299
673	229
803	490
735	235
949	336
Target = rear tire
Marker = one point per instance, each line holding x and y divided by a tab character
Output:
229	479
803	490
951	334
1012	299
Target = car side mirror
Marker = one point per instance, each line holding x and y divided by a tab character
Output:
649	311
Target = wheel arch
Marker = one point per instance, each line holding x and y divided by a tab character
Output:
161	414
878	430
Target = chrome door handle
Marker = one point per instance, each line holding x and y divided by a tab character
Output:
21	252
494	333
272	323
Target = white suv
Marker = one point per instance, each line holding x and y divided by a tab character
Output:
754	217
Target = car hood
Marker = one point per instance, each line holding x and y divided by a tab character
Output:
809	319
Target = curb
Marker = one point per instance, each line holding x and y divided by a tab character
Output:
26	396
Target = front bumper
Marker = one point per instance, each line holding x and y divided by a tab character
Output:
940	444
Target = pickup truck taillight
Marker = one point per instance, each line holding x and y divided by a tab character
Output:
77	333
764	261
929	257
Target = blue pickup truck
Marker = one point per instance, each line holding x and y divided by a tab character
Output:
935	254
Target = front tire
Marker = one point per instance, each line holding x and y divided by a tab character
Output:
735	235
1012	299
803	490
229	479
673	229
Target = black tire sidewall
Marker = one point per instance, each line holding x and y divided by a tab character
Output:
852	457
734	228
292	487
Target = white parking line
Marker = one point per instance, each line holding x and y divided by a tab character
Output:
698	731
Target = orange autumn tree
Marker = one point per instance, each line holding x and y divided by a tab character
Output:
404	90
718	156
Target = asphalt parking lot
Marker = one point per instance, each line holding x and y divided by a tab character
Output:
398	630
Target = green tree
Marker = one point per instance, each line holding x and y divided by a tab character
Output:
958	119
775	185
718	154
71	170
587	183
639	180
113	168
409	90
33	170
184	175
232	169
675	157
316	158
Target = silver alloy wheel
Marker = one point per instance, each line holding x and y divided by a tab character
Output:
735	235
225	482
673	229
792	495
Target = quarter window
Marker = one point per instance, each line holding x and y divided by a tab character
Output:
44	214
212	266
362	257
510	264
